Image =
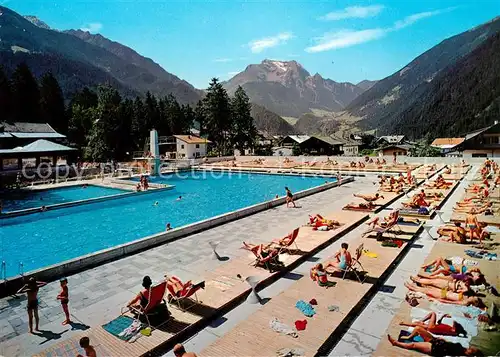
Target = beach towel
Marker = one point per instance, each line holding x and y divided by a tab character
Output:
305	308
123	327
456	310
282	328
404	333
456	260
470	325
370	254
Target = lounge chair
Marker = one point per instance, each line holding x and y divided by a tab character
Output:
156	299
286	242
267	261
187	293
354	264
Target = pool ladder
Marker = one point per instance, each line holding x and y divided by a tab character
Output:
3	270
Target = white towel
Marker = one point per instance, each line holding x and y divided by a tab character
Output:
470	325
280	327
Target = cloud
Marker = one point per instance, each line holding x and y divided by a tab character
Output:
257	46
345	38
353	12
92	27
348	38
410	20
223	60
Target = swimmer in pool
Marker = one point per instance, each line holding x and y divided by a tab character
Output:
156	203
179	198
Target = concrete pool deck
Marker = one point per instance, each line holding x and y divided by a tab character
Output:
123	291
98	293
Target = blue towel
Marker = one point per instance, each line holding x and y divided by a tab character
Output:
405	333
305	308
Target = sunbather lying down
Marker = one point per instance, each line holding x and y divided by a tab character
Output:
453	285
179	288
435	346
367	205
431	324
444	266
317	222
369	198
457	233
485	208
446	296
473	277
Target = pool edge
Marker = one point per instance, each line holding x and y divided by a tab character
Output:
84	262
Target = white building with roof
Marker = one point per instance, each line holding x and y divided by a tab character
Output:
191	146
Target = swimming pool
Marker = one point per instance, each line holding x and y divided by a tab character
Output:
37	198
46	238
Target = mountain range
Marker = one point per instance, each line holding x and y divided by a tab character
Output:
382	106
288	89
91	57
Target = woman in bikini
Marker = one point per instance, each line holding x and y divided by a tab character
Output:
318	274
446	296
473	277
456	286
141	300
442	266
434	346
289	197
431	324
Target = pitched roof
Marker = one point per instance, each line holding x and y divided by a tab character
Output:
478	131
329	140
299	138
447	143
392	139
38	146
401	146
19	127
192	139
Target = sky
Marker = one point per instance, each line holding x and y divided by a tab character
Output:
346	41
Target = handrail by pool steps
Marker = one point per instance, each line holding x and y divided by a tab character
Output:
3	271
20	269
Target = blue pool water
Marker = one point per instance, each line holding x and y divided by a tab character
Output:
47	238
38	198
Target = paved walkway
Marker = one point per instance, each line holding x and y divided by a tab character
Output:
96	295
364	335
369	328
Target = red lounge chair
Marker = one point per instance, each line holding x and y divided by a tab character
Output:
267	261
187	293
286	242
156	294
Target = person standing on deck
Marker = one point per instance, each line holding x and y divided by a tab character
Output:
31	289
289	197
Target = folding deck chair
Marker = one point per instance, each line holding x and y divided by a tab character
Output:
263	261
188	291
286	242
156	299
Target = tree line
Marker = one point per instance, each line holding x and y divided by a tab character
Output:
105	126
